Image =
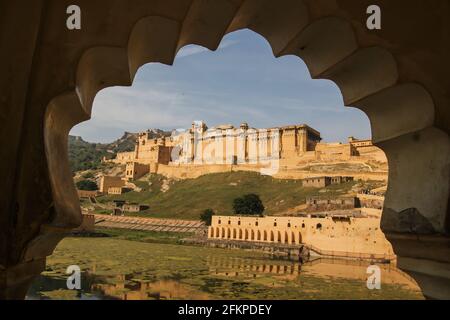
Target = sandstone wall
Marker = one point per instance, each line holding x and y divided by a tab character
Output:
350	236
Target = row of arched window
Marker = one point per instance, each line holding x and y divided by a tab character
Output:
283	237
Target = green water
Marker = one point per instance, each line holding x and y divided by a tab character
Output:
121	269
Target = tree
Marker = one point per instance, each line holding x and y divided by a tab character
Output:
206	216
248	204
87	185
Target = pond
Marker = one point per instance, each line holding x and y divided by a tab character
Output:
130	270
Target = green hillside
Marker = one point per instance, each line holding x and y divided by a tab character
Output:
186	199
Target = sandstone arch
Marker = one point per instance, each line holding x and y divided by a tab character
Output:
404	95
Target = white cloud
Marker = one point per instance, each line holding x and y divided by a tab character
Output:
192	49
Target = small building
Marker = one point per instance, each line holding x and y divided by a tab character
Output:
133	207
119	203
316	182
87	194
328	204
339	180
107	182
322	182
118	190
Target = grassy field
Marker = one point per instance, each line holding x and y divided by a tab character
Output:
186	199
144	236
186	272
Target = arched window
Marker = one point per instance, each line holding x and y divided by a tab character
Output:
319	226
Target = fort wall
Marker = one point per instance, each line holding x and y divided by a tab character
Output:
332	234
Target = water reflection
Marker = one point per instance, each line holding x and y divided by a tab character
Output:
235	277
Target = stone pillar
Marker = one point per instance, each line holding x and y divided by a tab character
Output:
416	214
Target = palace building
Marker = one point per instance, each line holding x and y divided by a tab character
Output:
216	149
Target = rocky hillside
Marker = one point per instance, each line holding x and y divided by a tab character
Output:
85	155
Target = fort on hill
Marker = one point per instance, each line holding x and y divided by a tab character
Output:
276	151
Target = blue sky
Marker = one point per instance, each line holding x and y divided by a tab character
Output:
240	82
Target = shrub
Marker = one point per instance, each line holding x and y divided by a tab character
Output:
87	185
248	204
88	175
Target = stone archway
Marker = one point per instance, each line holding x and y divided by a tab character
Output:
396	76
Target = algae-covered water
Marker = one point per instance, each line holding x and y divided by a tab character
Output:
121	269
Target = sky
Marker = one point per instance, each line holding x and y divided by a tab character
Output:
240	82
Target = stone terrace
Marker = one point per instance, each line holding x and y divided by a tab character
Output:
149	224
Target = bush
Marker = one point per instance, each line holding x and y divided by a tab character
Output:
87	185
88	175
206	216
249	204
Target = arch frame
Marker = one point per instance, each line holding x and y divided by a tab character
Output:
411	223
